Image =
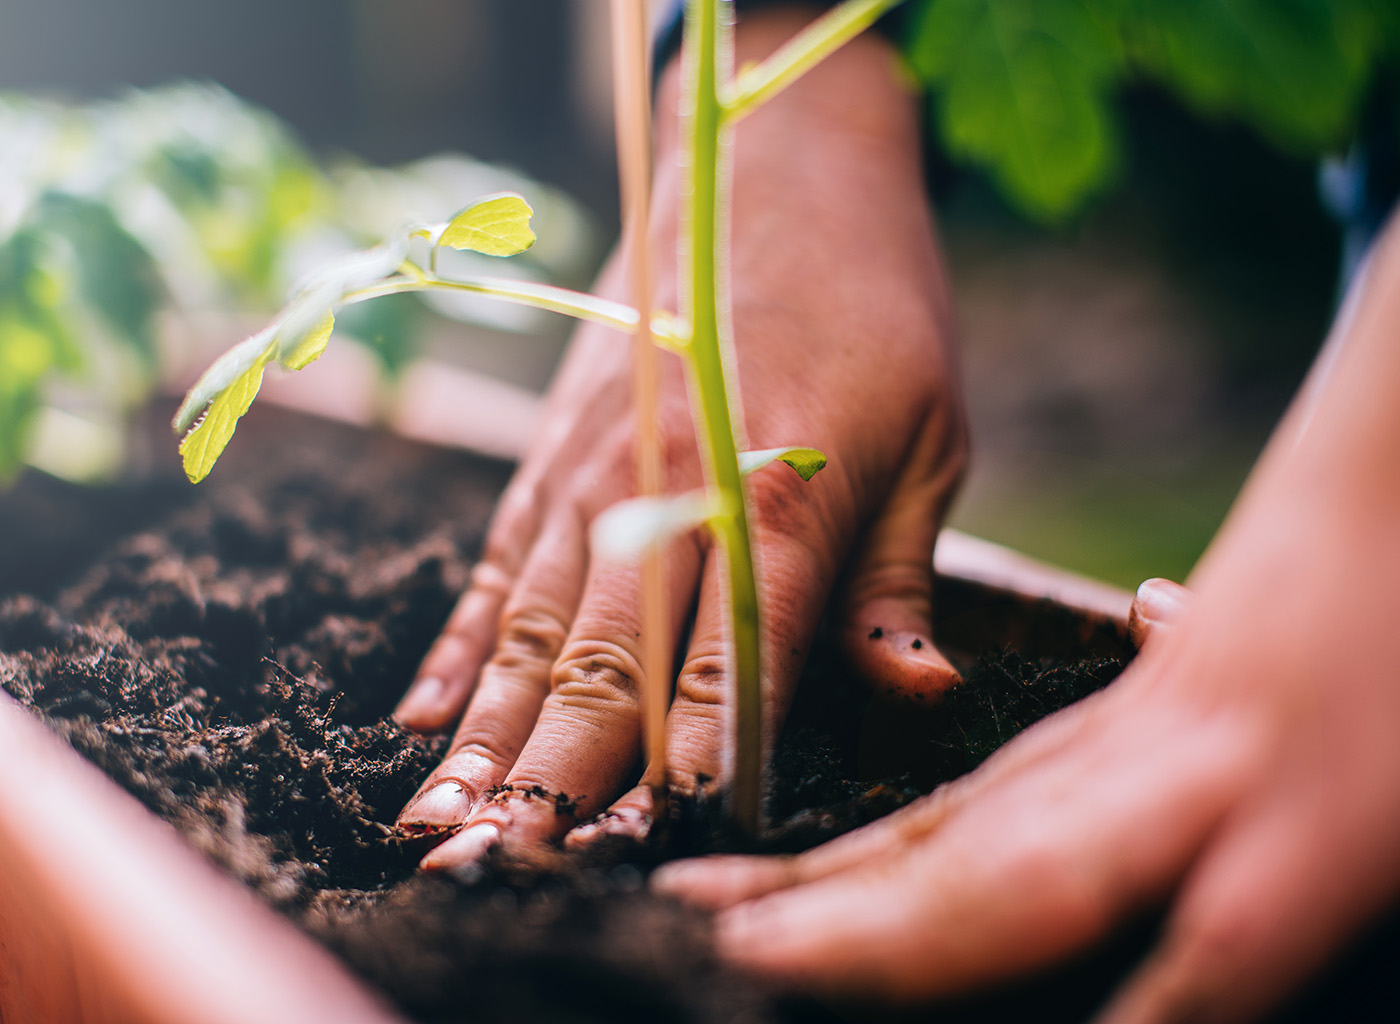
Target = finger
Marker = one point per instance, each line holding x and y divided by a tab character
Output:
1157	608
888	606
584	746
445	679
513	682
696	724
721	881
795	558
1031	870
630	817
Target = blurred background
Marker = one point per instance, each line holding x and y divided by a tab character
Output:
1125	353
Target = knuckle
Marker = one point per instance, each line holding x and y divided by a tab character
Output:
468	756
488	575
897	579
529	636
703	681
596	673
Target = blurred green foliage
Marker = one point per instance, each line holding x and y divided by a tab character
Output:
108	213
1025	88
186	198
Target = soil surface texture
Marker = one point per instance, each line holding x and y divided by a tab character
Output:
230	654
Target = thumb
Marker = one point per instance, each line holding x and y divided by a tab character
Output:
887	618
1157	607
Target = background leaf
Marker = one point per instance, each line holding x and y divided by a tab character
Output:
390	326
115	274
1020	87
1025	88
1295	69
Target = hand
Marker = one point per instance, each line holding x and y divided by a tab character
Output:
1245	771
841	328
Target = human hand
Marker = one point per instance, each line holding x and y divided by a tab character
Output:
841	329
1245	771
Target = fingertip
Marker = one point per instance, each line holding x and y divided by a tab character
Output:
426	707
628	819
1157	607
715	883
690	881
756	934
900	664
463	854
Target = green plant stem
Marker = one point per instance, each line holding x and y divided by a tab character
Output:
757	85
703	283
526	293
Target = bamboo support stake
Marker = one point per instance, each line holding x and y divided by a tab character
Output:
632	106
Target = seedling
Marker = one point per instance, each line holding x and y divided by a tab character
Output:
714	101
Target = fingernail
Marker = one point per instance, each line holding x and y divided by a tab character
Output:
463	853
423	701
1162	601
443	806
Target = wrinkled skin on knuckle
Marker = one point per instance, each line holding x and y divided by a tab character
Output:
597	673
704	680
529	636
895	579
468	755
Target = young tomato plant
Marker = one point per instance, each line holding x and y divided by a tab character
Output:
714	101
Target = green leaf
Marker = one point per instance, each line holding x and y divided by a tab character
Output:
808	462
204	444
497	226
298	353
227	369
1020	88
1294	69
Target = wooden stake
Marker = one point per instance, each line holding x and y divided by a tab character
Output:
632	105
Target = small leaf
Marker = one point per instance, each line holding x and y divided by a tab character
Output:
230	366
204	444
626	529
296	354
497	226
808	462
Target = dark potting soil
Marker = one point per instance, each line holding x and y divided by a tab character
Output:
232	656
